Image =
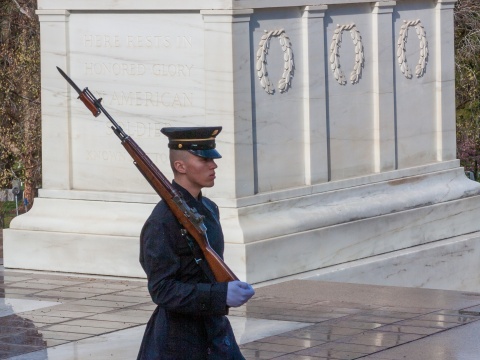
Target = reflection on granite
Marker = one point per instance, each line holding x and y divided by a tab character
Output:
40	311
9	306
251	329
117	345
19	335
67	317
124	344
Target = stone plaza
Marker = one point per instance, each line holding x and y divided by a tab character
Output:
72	317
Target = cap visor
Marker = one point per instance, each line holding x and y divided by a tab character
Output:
209	154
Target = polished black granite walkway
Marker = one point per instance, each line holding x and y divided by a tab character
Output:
58	316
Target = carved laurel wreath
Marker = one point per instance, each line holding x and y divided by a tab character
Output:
284	82
356	74
402	40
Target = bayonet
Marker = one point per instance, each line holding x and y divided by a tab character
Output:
70	81
92	103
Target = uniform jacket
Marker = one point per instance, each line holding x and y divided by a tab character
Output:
189	321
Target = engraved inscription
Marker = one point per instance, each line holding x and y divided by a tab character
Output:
172	70
105	155
123	56
153	41
101	41
137	41
117	69
140	129
149	41
134	69
156	99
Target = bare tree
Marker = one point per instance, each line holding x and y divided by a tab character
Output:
467	72
20	120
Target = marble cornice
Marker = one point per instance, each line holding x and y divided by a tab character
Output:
167	5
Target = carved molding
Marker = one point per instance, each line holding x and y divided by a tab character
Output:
401	52
356	73
261	66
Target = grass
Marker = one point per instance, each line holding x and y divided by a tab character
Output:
7	213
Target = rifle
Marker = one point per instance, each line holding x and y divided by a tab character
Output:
188	217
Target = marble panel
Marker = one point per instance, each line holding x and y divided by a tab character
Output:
445	63
314	90
415	97
278	116
148	69
383	87
55	116
351	141
229	99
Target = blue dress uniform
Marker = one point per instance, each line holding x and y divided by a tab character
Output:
189	321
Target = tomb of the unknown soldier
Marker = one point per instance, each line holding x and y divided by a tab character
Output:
338	141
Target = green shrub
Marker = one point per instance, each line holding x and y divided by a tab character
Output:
7	213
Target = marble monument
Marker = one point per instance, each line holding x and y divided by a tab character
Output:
338	142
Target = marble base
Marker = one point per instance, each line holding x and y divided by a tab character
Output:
446	264
285	236
297	253
342	226
77	236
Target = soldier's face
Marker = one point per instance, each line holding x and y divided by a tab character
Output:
198	171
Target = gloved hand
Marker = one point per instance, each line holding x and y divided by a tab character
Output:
238	293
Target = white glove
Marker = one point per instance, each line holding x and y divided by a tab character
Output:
238	293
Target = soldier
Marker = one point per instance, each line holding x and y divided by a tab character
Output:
189	321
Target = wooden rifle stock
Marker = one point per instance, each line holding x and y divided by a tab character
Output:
188	217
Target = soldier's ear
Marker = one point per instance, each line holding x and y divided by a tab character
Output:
179	166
